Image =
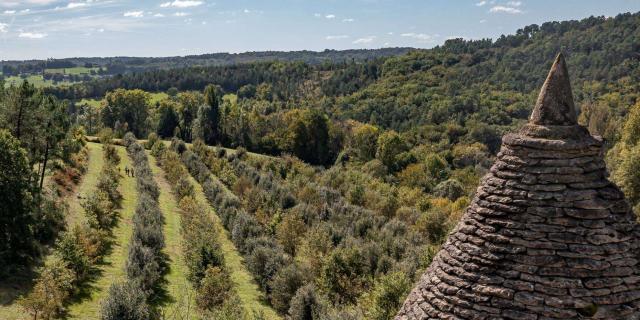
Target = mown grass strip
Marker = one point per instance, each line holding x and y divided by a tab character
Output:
180	300
112	269
87	184
252	299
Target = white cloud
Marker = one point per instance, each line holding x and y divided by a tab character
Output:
330	16
514	3
337	37
317	15
159	15
418	36
32	35
9	11
510	10
25	11
3	27
73	5
348	20
246	11
182	4
134	14
481	3
364	40
180	14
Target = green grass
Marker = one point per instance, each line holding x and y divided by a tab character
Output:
252	299
86	186
91	102
180	296
112	269
75	70
37	80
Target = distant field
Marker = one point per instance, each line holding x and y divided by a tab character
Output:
91	102
155	97
36	80
76	70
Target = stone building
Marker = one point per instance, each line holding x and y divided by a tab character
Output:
547	236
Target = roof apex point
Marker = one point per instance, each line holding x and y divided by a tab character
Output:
555	102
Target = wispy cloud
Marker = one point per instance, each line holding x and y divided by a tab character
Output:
330	16
364	40
4	28
73	5
32	35
180	14
159	15
503	9
337	37
481	3
134	14
9	12
182	4
418	36
348	20
514	3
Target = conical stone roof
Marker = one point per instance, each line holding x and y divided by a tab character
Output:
547	236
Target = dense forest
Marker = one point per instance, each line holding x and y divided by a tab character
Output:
337	180
117	65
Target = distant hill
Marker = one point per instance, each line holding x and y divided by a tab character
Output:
118	65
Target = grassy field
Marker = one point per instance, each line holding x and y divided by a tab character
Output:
252	299
112	270
75	70
91	102
180	297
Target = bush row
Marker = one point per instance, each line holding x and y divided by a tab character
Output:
202	253
78	250
339	253
265	256
146	261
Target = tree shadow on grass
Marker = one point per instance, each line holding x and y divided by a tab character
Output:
161	296
16	282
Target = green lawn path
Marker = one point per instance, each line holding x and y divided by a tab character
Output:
86	186
181	300
112	270
252	299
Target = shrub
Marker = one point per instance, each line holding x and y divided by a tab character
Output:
99	210
142	266
264	262
152	139
125	302
215	289
51	289
451	189
306	304
71	250
284	286
387	296
158	149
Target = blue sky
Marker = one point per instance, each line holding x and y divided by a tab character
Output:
69	28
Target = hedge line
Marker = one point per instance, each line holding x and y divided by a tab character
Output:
203	256
78	250
146	263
